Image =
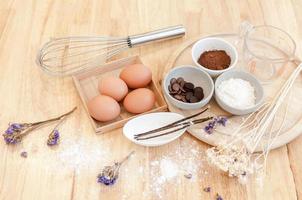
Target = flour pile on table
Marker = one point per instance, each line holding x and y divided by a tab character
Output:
171	169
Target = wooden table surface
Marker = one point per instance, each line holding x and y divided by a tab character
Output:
69	171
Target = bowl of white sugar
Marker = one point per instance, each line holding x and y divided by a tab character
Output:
238	92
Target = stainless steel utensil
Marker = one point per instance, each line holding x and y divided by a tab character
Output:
70	55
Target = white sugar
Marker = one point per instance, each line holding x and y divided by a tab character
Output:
237	93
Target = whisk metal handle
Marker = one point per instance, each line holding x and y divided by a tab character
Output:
161	34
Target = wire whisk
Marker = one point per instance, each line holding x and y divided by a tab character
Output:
70	55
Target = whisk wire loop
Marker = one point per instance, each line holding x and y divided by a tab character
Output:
69	55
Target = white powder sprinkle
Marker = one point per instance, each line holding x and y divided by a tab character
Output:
168	169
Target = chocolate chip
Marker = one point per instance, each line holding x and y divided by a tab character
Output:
198	92
182	83
189	95
185	91
173	92
180	79
172	81
182	89
178	96
176	87
183	98
199	96
198	89
193	99
189	86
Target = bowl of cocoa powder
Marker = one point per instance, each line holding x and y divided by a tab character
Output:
214	55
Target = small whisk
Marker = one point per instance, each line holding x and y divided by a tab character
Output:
70	55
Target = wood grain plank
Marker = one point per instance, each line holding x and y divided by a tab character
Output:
69	171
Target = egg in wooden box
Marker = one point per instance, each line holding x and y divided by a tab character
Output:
87	86
139	100
136	75
103	108
113	87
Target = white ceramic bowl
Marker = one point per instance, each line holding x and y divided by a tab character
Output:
212	43
259	93
194	75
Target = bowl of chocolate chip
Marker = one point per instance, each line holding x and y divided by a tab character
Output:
214	55
188	87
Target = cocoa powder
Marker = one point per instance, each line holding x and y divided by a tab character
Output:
215	60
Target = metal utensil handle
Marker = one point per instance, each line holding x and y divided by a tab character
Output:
162	34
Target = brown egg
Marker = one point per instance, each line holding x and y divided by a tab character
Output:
103	108
136	76
139	100
113	87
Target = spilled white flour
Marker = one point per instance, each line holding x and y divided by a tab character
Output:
156	174
170	169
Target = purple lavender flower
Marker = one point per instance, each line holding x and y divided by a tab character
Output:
14	127
109	174
221	120
13	133
218	197
23	154
106	180
209	128
207	189
16	131
53	138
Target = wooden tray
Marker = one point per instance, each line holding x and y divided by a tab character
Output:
293	120
87	86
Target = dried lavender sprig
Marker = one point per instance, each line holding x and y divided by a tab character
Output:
16	131
207	189
13	133
110	174
54	119
54	136
218	197
210	127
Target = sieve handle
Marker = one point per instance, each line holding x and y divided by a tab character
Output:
161	34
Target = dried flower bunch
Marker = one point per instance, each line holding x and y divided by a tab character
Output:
16	131
210	127
218	197
238	156
53	138
234	160
110	174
